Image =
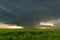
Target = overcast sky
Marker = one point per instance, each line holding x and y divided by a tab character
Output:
31	11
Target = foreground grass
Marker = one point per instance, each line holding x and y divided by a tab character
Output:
29	34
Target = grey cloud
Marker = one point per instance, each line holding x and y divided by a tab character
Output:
32	10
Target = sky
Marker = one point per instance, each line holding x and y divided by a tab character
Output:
28	12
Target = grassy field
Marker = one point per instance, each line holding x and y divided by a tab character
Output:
29	34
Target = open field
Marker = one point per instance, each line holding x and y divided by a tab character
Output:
29	34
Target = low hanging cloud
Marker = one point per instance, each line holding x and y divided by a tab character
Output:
10	26
55	21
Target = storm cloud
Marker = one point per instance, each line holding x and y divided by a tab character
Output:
29	12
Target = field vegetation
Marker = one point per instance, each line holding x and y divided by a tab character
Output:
29	34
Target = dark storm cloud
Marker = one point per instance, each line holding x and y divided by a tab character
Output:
28	12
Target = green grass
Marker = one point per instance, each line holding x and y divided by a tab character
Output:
29	34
